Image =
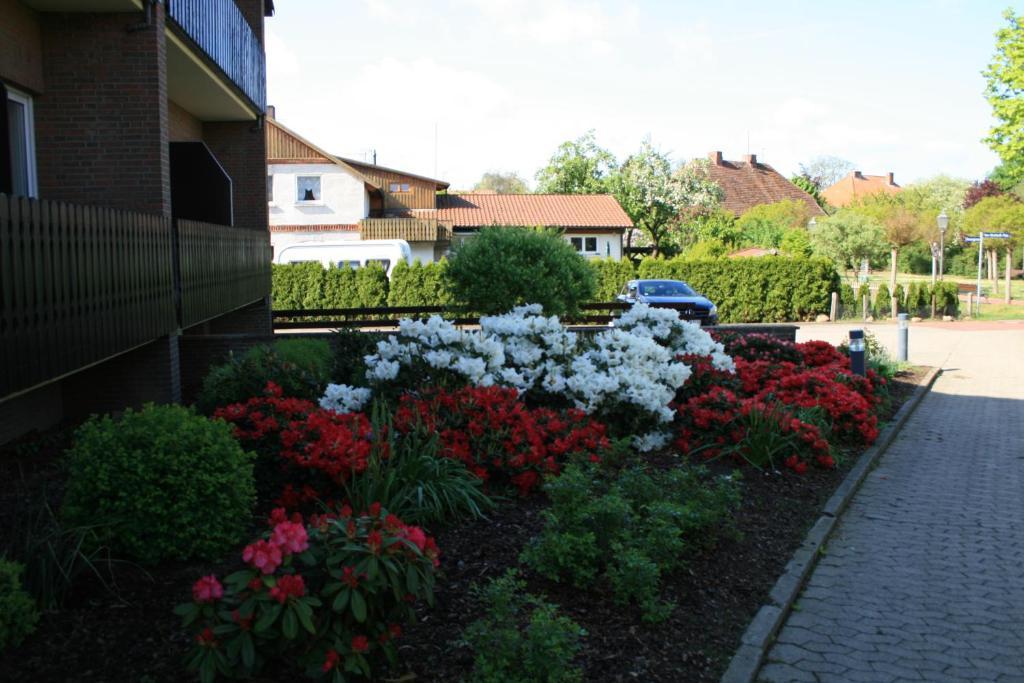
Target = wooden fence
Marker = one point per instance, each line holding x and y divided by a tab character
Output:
222	268
388	316
79	284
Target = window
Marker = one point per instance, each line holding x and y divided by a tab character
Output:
398	187
308	187
577	243
20	142
590	245
270	188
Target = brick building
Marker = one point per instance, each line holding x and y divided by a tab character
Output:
132	197
750	182
857	185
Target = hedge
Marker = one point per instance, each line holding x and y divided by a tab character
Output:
755	289
420	285
310	285
611	276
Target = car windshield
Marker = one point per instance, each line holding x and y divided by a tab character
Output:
665	288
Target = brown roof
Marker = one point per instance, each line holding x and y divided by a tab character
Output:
475	210
319	227
752	252
749	183
856	185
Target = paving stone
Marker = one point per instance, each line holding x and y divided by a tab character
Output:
924	576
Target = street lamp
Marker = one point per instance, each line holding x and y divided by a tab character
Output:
943	221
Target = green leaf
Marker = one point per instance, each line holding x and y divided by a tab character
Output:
341	601
248	651
268	619
358	606
412	580
290	624
305	614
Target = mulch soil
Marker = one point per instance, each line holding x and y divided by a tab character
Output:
130	634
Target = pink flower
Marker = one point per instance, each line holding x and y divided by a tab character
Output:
263	556
360	644
289	585
416	535
290	537
207	589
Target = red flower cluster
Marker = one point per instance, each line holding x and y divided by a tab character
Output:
848	411
498	437
207	589
286	538
288	586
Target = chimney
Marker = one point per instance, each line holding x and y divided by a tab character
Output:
857	174
271	112
751	159
715	157
891	181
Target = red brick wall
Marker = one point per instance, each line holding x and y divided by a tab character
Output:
241	148
21	50
101	128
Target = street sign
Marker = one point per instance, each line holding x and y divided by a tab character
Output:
968	238
1003	235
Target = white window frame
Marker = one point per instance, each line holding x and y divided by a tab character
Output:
25	100
314	202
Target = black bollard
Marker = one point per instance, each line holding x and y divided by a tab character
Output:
857	352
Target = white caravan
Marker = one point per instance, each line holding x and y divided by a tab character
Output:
347	253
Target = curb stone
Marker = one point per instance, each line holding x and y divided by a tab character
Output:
746	663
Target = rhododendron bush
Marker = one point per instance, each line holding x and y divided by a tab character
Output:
327	595
498	438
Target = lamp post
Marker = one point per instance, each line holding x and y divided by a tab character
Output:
943	221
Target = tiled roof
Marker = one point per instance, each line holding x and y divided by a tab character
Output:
749	183
752	252
475	210
856	185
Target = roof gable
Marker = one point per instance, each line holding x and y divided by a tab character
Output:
856	184
748	183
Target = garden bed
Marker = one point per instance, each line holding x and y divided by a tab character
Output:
133	634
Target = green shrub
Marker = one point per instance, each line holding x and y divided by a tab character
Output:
706	249
18	613
501	268
160	483
310	285
312	355
754	289
245	376
350	348
630	529
420	285
947	298
764	225
901	298
883	302
796	242
847	297
863	294
610	276
521	638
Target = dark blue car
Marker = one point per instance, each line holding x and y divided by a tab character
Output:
690	304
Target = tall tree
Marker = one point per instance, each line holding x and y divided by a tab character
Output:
825	170
502	183
1004	91
848	237
579	166
654	196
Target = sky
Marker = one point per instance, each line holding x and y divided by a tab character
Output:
451	89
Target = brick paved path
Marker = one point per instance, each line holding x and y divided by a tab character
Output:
923	579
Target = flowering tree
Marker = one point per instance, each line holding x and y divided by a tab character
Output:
654	196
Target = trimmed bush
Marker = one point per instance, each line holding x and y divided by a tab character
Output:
419	284
18	613
161	484
310	285
883	302
246	375
504	267
755	289
901	298
611	276
947	298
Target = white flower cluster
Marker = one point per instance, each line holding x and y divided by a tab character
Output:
342	398
632	367
537	348
680	336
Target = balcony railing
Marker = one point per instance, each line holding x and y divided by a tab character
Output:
79	284
218	28
408	229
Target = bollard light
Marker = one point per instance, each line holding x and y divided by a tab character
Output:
901	337
857	352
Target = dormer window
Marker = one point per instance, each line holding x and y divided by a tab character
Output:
308	189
